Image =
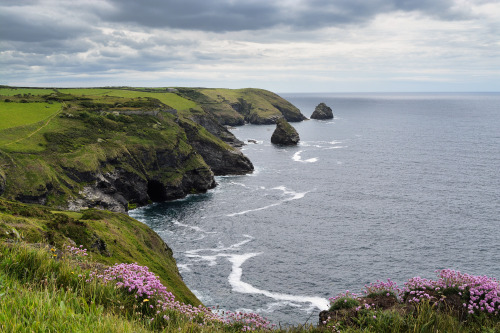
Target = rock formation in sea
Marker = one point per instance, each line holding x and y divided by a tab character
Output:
322	111
284	134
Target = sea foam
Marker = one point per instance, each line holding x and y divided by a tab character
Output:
239	286
297	158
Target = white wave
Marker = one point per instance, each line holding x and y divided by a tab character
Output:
297	158
245	288
336	147
294	196
183	268
239	184
212	260
195	228
334	142
221	248
254	210
272	307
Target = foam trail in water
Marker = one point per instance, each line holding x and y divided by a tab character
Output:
245	288
183	268
239	184
193	253
295	196
254	210
193	227
297	158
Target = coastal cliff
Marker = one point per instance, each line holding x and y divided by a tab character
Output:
236	107
75	150
114	152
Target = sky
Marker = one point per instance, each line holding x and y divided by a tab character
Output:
283	46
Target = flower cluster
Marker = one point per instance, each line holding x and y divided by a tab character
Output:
344	297
150	291
383	288
480	294
77	251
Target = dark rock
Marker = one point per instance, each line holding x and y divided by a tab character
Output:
291	113
2	182
251	141
100	245
284	134
322	111
216	128
222	160
142	181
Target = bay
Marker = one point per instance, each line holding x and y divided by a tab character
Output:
396	186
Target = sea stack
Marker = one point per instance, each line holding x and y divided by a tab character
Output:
322	111
284	134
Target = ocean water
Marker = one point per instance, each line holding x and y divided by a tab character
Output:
396	186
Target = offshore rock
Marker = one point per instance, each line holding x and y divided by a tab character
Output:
322	111
284	134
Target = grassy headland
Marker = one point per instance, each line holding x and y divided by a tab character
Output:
120	147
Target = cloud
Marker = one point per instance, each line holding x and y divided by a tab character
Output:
231	15
264	43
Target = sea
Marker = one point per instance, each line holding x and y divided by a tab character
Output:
397	185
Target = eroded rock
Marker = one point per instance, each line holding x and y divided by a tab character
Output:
284	134
322	111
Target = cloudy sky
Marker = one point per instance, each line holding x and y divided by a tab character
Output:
284	46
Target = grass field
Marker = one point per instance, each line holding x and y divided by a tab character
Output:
21	114
87	91
22	91
170	99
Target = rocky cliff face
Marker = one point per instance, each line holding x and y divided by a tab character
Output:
284	134
138	178
2	181
223	160
213	126
105	164
322	111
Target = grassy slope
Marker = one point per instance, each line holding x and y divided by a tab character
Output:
21	114
43	143
256	105
112	238
71	141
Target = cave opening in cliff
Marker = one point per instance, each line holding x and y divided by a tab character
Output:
156	191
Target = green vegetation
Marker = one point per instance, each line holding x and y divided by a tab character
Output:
112	238
235	106
22	114
13	91
73	134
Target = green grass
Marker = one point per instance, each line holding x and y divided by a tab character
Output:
87	91
169	99
44	289
125	239
22	114
23	91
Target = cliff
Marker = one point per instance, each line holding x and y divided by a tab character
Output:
113	152
235	107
